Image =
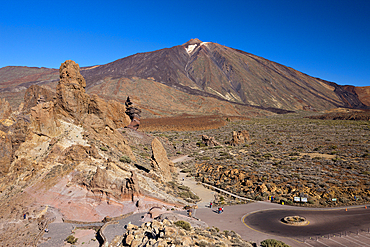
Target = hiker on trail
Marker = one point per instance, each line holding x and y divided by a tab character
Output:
222	209
210	204
219	210
190	211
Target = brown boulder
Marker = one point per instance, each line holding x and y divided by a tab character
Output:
71	97
5	109
160	162
239	137
43	120
210	141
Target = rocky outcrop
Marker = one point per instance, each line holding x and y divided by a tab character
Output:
133	113
103	185
71	98
35	95
210	141
239	137
5	109
43	119
170	233
112	112
160	162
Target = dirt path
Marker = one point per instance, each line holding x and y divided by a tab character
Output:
205	194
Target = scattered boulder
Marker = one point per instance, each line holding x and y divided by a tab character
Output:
210	141
160	162
239	137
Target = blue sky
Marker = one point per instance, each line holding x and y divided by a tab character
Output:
325	39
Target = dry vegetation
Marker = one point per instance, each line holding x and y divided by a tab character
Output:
286	156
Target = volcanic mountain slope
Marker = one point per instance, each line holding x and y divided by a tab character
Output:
207	68
204	70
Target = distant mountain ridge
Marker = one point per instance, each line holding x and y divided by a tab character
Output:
202	69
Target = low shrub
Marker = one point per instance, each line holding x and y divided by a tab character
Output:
183	224
125	159
273	243
71	239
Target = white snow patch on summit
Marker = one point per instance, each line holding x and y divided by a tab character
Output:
191	48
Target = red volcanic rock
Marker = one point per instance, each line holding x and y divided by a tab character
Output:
71	96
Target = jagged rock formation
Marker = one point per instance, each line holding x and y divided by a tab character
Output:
210	141
239	137
133	113
71	96
160	163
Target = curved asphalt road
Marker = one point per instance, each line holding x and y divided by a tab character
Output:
321	222
261	220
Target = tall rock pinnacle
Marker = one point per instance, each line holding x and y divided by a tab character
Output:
71	96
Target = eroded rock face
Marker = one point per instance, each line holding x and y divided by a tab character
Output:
6	153
5	109
71	97
210	141
131	189
113	111
104	185
160	162
239	137
35	95
43	119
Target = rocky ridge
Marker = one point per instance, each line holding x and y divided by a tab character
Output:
75	146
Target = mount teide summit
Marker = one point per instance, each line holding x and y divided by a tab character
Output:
204	71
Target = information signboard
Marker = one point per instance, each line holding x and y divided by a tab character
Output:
297	199
303	199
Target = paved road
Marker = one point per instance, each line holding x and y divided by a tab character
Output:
321	222
119	229
262	221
